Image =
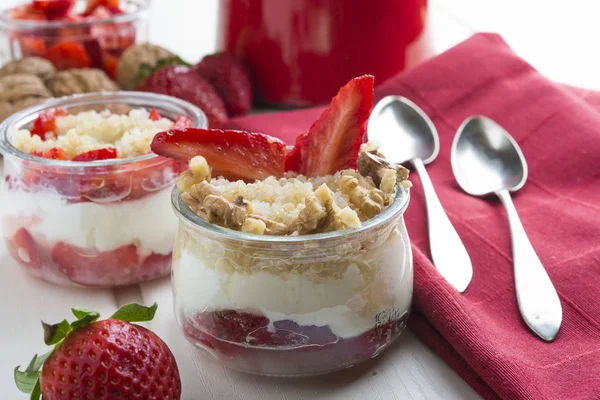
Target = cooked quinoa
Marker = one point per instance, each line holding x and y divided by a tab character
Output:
131	134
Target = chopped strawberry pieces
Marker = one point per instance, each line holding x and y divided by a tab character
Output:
182	122
112	5
53	9
67	55
23	249
56	154
46	122
154	115
333	141
98	154
93	268
231	154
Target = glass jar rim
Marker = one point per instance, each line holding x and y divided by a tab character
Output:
194	221
95	98
23	24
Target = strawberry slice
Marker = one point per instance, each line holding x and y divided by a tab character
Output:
154	115
182	122
231	154
23	249
92	5
333	141
67	55
53	9
93	268
46	122
56	154
98	154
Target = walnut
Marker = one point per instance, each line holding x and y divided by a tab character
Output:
134	57
206	201
254	225
19	91
317	208
271	227
368	202
372	165
38	66
84	80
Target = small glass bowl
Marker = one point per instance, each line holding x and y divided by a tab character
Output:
80	43
292	305
100	223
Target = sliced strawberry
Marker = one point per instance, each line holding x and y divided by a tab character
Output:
98	154
230	78
181	82
27	12
333	141
93	268
154	115
56	154
53	9
182	122
23	249
37	153
92	5
109	64
46	122
67	55
232	154
32	47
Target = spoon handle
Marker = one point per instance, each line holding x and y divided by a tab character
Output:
447	250
538	301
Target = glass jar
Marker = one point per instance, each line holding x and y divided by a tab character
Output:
300	52
77	42
292	305
99	223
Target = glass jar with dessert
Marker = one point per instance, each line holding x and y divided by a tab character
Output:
84	201
73	33
291	262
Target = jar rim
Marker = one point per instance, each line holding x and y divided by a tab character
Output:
88	99
194	221
6	22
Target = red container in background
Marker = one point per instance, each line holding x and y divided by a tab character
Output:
300	52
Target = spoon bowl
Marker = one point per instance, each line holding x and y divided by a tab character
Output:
485	158
404	131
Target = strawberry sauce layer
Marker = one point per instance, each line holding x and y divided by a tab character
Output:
251	343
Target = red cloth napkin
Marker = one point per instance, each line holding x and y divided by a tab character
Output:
480	333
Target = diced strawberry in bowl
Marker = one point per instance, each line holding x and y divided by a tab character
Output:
86	202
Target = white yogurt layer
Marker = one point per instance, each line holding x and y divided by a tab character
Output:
336	303
147	222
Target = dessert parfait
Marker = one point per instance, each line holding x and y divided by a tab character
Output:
73	33
291	262
85	202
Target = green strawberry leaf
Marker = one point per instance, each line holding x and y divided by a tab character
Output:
146	70
56	332
85	317
135	313
37	392
25	381
80	312
36	362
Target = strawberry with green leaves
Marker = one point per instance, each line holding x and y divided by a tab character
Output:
102	359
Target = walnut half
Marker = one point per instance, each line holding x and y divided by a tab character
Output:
80	80
19	91
37	66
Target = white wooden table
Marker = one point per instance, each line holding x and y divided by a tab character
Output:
558	39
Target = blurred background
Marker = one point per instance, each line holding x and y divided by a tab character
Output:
559	38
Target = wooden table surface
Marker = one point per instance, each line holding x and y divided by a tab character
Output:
553	37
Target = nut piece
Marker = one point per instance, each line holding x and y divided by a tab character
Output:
38	66
368	202
19	91
134	57
199	171
253	225
84	80
208	203
372	165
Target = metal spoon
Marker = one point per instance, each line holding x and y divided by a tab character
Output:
486	159
407	134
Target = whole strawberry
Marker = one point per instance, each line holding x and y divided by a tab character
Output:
182	82
108	359
230	78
